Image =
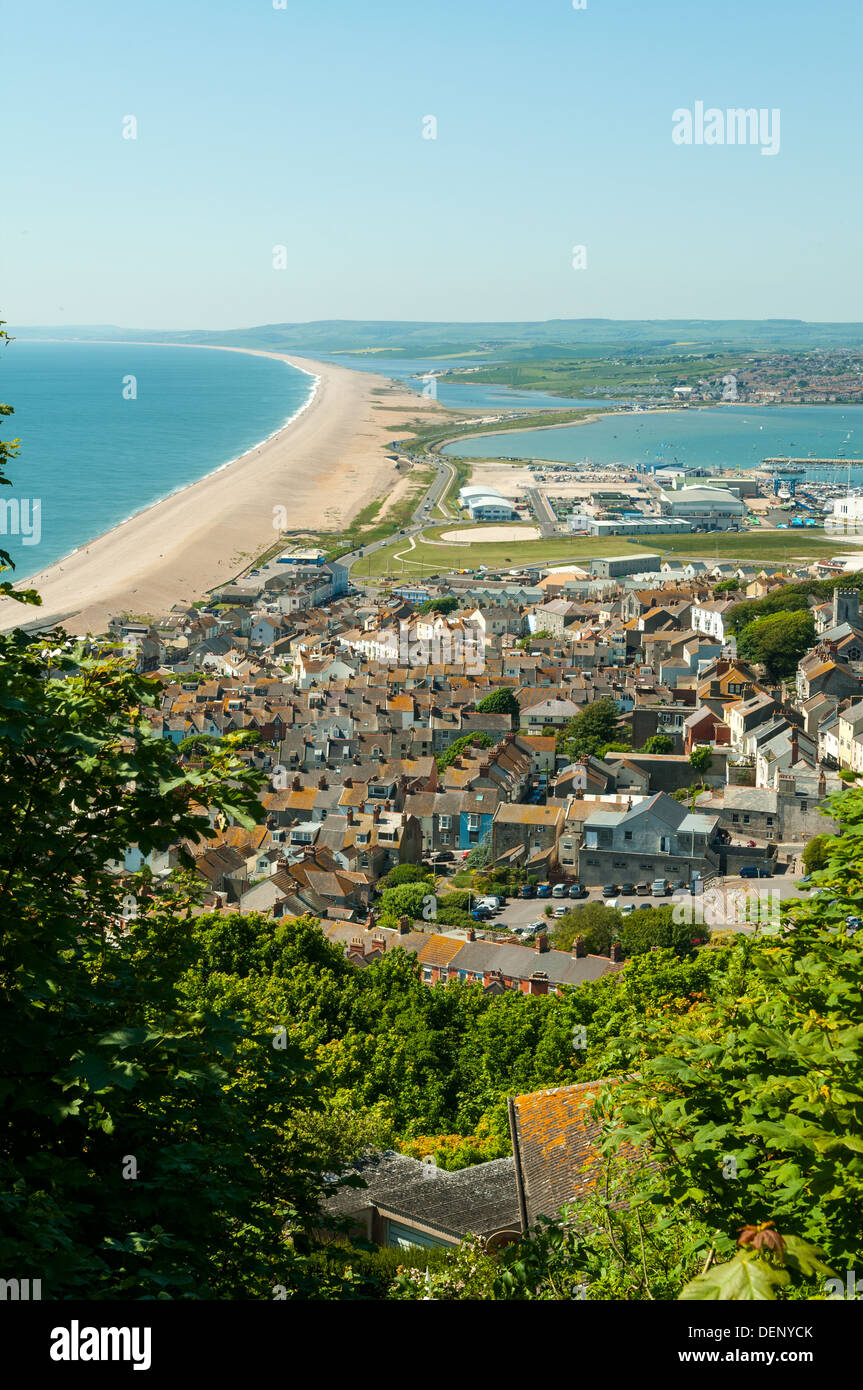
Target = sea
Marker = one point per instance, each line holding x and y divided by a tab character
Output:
106	429
732	436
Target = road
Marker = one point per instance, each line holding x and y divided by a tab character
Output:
421	516
542	510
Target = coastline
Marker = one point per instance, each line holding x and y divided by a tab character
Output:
323	466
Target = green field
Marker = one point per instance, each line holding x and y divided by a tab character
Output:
428	559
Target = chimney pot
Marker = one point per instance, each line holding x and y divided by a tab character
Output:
578	946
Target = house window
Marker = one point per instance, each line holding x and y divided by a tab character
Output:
444	839
745	820
444	822
627	834
734	817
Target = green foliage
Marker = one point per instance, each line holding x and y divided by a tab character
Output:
659	743
444	604
655	927
8	452
778	641
817	852
727	586
105	1060
501	701
597	924
477	740
591	731
699	758
791	598
406	873
406	900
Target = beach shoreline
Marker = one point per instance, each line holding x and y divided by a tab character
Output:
332	450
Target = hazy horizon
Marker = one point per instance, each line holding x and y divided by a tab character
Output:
223	166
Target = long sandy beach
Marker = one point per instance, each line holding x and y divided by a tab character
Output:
323	467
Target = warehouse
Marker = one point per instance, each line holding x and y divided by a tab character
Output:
708	508
486	504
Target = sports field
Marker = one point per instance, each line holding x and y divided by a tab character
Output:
425	555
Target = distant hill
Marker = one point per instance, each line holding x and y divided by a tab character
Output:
590	337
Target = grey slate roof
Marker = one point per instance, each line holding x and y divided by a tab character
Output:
478	1200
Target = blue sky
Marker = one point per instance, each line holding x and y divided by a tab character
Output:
302	127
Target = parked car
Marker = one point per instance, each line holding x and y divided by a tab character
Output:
659	887
561	910
628	908
445	856
610	890
748	871
577	890
765	873
480	914
559	890
644	907
643	890
543	890
526	890
627	889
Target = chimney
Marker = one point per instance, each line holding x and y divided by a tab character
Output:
822	783
540	942
538	983
578	947
470	934
322	784
376	814
350	815
794	745
616	952
296	784
404	926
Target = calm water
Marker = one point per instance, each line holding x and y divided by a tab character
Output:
466	397
735	436
95	458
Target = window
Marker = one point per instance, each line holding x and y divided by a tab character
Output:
627	834
444	839
444	822
734	817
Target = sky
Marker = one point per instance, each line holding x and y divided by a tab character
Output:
304	127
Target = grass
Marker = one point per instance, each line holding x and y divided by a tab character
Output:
430	559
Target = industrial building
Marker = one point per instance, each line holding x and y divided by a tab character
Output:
636	526
485	504
611	566
708	508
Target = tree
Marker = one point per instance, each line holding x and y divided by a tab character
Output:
699	758
407	900
589	732
501	701
596	924
477	740
752	1105
791	598
406	873
642	931
658	743
778	641
445	604
146	1144
816	853
8	452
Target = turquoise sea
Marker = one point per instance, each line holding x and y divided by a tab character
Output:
728	436
97	447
